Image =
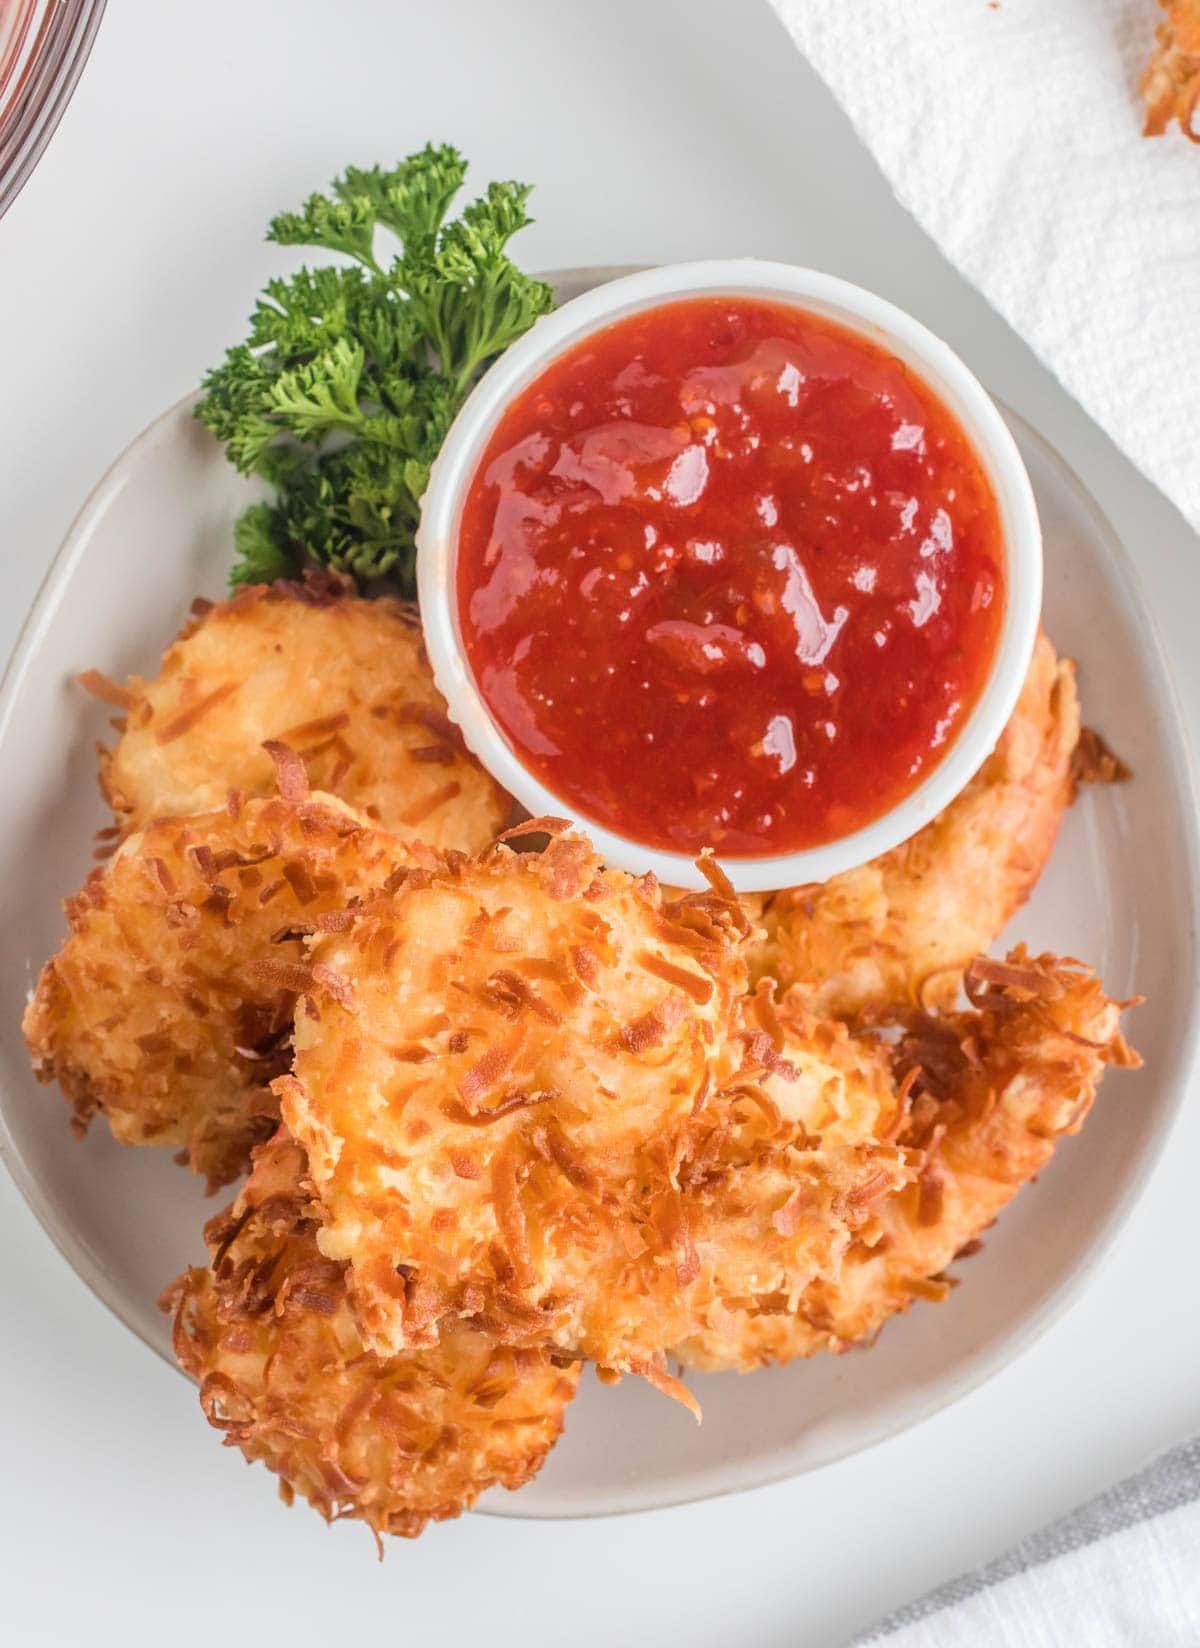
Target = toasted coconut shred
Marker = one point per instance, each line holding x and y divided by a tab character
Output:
291	775
106	690
1095	763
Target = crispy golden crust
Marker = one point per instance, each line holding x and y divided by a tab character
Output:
344	681
1171	83
990	1093
266	1328
169	1007
899	931
499	1075
788	1177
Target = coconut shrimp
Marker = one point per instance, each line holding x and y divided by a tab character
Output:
898	931
169	1007
267	1331
989	1093
498	1073
343	681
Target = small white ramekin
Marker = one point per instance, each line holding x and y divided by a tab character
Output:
862	312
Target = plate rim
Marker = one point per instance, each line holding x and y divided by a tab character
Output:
1173	1074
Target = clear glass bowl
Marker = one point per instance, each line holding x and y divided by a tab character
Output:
43	47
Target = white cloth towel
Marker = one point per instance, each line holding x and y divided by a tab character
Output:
1121	1572
1011	129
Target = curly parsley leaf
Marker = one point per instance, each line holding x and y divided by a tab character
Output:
411	200
471	298
335	225
353	372
261	557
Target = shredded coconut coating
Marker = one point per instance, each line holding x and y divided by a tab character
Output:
899	931
1171	84
169	1007
790	1176
989	1093
499	1077
267	1330
343	681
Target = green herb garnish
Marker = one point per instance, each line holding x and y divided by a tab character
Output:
352	373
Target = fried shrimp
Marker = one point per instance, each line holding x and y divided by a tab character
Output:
988	1094
169	1007
790	1174
899	931
1171	83
267	1330
343	681
499	1075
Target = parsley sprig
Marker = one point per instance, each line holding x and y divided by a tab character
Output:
353	372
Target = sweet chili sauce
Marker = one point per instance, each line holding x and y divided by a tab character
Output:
729	575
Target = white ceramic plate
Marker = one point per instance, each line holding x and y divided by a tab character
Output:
1121	892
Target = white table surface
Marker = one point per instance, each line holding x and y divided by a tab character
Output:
654	129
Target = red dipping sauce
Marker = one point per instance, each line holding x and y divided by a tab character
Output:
730	576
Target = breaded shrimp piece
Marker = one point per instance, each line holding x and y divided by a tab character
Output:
791	1175
763	1205
169	1007
899	931
343	681
991	1092
499	1073
997	1088
267	1330
1171	83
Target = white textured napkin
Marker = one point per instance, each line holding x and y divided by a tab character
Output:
1121	1572
1011	131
